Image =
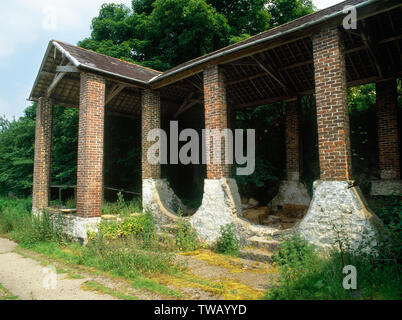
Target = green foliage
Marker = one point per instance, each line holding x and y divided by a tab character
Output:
140	225
16	153
70	203
186	236
164	33
127	257
389	210
283	11
122	207
17	220
227	242
173	32
245	17
133	255
304	274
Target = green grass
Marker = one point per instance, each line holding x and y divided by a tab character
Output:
128	249
122	207
95	286
153	286
7	295
306	275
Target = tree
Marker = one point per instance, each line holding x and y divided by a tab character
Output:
245	17
283	11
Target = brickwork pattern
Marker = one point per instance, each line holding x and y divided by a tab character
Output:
43	154
216	117
387	126
331	103
292	120
90	145
150	119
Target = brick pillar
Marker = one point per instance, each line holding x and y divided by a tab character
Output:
150	119
90	145
387	124
216	117
331	103
43	154
292	140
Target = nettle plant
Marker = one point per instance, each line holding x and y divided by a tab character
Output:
228	243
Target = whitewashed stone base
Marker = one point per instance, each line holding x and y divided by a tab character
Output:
221	205
159	199
386	187
338	212
73	226
290	192
217	209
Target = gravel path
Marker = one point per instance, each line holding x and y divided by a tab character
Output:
30	280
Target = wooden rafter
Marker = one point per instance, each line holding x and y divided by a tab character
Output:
183	105
116	89
272	74
57	78
372	49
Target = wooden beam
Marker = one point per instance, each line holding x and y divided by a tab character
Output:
372	49
57	78
68	68
273	75
195	85
183	104
47	73
260	102
123	115
184	109
114	92
55	82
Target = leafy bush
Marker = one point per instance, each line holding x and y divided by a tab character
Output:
304	274
140	225
228	243
16	218
122	207
186	236
389	210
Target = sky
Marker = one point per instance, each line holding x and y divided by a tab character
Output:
26	27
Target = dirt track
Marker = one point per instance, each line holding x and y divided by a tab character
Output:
27	279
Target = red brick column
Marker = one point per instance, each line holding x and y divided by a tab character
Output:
387	125
216	117
292	140
43	154
150	119
90	145
332	108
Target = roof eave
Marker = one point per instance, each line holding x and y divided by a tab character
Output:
49	47
153	82
84	67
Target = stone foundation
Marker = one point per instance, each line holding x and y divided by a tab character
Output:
290	192
220	205
73	226
386	187
338	212
161	201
